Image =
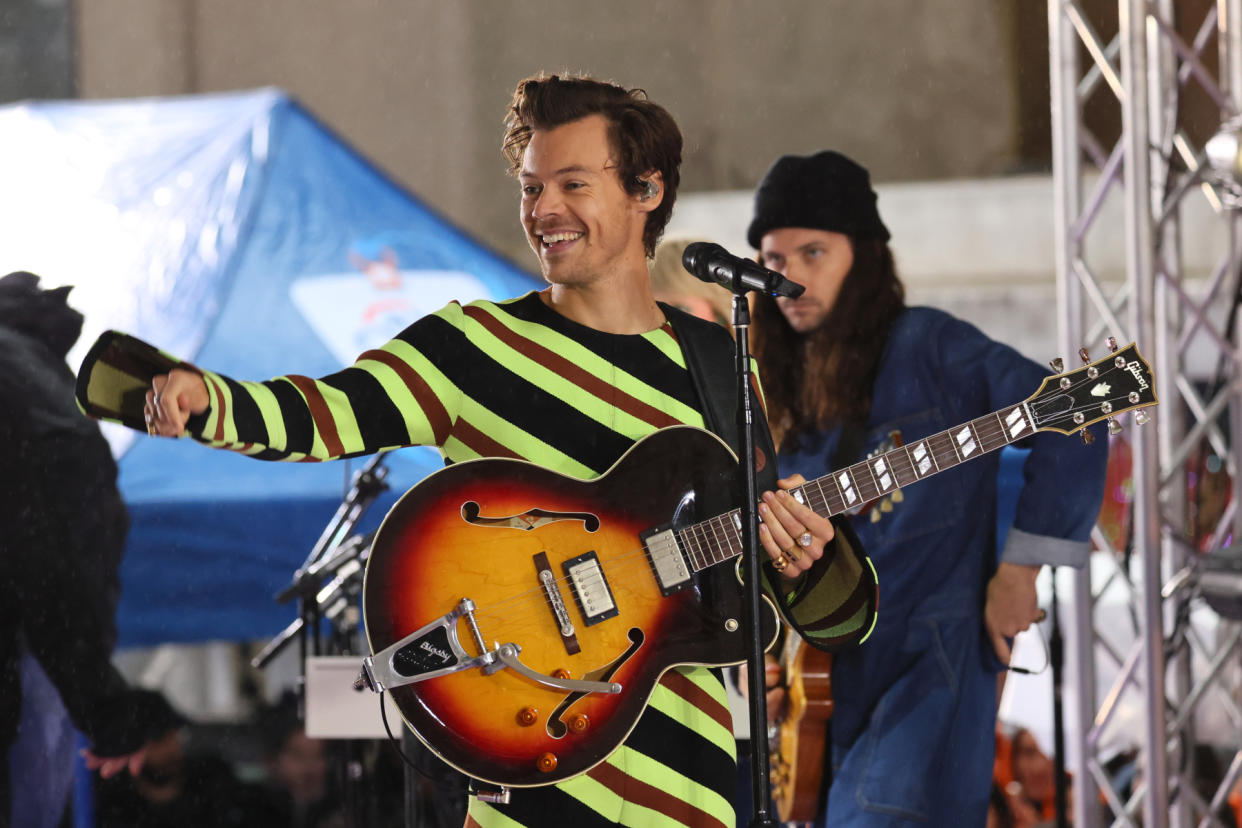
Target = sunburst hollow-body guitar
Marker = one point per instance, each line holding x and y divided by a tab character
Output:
521	618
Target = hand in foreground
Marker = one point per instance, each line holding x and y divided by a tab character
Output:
109	766
775	694
1012	605
793	536
172	399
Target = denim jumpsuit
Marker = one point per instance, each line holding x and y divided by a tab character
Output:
912	729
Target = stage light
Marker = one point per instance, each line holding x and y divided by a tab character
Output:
1224	160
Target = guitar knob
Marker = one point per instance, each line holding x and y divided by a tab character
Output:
1057	365
527	716
1087	437
1082	354
1142	417
1112	344
1114	427
579	723
546	762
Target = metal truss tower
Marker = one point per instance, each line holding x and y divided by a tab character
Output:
1170	667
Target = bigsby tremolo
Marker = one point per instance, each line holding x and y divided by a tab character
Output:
436	650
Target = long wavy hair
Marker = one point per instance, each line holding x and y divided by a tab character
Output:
823	379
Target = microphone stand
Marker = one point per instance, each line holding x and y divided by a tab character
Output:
760	779
1056	656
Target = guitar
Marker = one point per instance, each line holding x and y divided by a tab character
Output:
521	618
799	737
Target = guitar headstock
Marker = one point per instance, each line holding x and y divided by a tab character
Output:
1069	402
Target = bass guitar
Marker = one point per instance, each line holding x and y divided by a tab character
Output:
521	618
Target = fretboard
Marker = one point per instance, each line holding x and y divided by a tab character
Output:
720	538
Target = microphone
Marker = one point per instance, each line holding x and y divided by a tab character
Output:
712	263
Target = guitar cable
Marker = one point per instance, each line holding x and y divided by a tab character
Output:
396	743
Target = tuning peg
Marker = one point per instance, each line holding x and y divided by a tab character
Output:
1087	437
1112	344
1082	354
1114	427
1142	417
1057	365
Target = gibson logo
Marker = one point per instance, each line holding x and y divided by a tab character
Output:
1137	372
435	651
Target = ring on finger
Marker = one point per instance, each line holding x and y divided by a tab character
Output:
780	563
805	540
791	552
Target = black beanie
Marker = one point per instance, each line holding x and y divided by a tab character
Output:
824	191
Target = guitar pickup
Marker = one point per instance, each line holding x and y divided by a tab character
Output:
667	560
590	588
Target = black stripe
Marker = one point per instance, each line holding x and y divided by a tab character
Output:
550	806
634	354
299	425
246	415
379	421
495	387
684	750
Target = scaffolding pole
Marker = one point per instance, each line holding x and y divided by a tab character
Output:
1168	667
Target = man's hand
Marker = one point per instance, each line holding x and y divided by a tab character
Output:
792	534
172	399
109	766
1012	605
772	681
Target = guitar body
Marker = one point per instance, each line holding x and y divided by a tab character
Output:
482	530
802	732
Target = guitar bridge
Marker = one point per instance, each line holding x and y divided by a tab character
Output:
433	650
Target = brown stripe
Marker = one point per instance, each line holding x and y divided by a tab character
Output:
568	370
649	796
427	400
320	413
479	442
224	410
858	596
470	823
681	684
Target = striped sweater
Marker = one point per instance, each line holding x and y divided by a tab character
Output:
511	379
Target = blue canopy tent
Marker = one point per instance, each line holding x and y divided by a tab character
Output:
239	232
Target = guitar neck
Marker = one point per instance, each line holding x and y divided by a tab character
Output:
720	538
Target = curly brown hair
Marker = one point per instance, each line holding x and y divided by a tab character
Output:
823	379
643	135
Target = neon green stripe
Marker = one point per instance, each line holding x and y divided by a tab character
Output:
213	401
553	383
680	710
522	442
847	627
670	781
269	410
667	344
317	447
594	795
444	390
875	617
417	427
457	451
343	418
489	817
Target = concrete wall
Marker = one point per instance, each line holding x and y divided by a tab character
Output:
916	89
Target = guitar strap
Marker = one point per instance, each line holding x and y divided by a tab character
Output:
849	445
708	350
